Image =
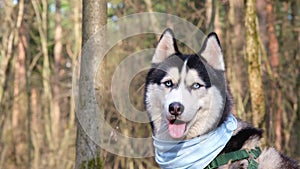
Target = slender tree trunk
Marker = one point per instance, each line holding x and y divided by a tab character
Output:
153	20
210	13
94	17
24	52
232	48
8	36
57	59
41	11
46	74
273	42
77	45
29	112
34	125
254	66
20	79
274	56
217	22
19	109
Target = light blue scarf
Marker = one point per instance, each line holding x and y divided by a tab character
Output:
195	153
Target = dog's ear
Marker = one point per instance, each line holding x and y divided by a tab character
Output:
165	47
211	51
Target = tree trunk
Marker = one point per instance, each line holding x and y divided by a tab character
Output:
57	59
94	17
41	11
273	42
19	109
23	54
217	23
254	66
76	51
274	56
210	15
36	110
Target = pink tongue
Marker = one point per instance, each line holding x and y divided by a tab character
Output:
176	130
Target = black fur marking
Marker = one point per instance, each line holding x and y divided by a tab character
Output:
158	71
194	62
155	76
152	125
238	140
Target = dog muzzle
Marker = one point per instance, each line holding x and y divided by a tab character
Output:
195	153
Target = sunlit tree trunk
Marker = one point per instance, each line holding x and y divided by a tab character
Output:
274	57
19	79
57	63
273	42
217	22
36	110
210	15
41	11
19	104
94	17
9	102
76	50
254	66
6	47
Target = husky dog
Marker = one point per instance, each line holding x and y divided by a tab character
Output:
187	97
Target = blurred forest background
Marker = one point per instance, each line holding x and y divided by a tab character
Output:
40	42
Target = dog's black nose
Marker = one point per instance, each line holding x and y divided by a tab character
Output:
176	108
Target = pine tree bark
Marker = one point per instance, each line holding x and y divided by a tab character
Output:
94	17
254	66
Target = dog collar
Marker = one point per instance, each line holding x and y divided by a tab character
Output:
194	153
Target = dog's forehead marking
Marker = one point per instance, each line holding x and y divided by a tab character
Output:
197	64
183	72
183	75
192	77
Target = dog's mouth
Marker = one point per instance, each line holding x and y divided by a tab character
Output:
177	128
176	121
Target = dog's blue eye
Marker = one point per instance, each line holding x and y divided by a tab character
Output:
196	85
168	83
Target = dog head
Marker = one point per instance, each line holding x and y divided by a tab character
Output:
185	94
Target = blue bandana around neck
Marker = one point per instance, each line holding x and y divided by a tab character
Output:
195	153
